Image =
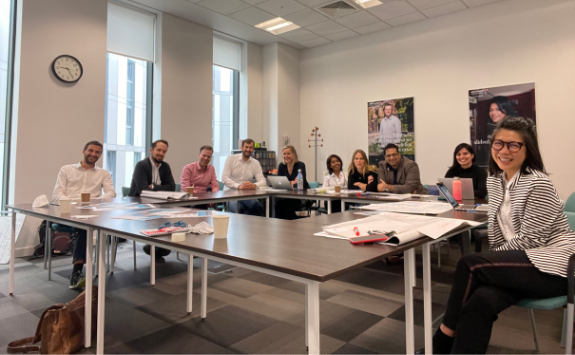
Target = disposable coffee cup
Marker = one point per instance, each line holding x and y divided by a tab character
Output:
65	205
190	190
85	197
221	226
337	188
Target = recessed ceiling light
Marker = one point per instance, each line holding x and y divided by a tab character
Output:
277	26
366	4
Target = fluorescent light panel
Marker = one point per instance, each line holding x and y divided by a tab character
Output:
366	4
277	26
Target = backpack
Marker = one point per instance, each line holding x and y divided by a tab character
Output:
62	242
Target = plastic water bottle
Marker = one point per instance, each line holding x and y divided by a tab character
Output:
299	180
456	188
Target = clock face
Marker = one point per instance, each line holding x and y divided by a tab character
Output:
67	68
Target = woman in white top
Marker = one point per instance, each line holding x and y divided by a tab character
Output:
529	238
336	177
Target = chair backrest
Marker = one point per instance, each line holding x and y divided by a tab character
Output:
221	185
125	191
313	185
178	187
571	219
570	203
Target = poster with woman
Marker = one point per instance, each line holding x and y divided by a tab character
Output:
390	121
489	106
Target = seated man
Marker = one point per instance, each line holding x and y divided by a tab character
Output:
238	171
74	179
398	174
200	174
153	174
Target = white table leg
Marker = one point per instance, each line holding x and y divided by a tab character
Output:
49	241
88	294
204	309
152	265
342	206
97	269
409	325
306	310
46	248
190	282
113	249
413	271
427	320
329	207
101	295
268	207
12	253
134	247
313	317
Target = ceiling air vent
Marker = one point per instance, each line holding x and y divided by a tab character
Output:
337	9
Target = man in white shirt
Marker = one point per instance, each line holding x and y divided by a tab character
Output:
73	180
390	127
239	171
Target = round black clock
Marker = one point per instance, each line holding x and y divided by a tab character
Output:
67	68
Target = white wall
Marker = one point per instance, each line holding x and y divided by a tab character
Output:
251	93
437	61
187	61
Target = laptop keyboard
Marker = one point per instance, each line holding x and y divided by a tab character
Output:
465	207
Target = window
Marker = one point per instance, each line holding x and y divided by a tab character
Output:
225	115
127	118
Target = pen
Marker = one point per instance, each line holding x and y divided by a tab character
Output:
356	230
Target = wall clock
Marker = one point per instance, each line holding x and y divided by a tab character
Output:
67	68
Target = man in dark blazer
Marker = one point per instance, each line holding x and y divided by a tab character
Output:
153	173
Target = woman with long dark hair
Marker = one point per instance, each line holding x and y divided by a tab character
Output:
464	168
529	238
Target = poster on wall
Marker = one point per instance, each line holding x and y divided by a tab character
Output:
488	106
390	121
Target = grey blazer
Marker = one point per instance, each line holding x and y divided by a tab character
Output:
408	178
540	225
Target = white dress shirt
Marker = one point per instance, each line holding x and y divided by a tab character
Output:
155	172
390	131
73	179
504	215
332	180
236	172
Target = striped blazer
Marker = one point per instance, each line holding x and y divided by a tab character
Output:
540	225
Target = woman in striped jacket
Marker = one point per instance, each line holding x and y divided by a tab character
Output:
529	238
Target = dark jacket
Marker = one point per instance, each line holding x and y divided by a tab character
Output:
408	179
283	171
476	173
355	176
142	178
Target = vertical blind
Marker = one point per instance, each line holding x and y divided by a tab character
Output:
130	32
227	53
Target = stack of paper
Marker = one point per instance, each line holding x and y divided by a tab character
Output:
165	195
411	207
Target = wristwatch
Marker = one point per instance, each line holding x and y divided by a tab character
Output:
387	189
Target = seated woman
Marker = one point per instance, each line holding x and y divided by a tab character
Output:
361	175
463	167
336	177
529	237
285	208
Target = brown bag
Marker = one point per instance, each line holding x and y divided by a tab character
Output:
60	329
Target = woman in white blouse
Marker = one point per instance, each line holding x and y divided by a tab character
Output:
336	177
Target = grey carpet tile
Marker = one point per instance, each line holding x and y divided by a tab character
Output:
24	271
275	307
241	287
436	311
222	296
139	295
171	340
174	309
351	325
387	337
352	349
269	340
367	303
374	279
17	327
228	325
330	313
328	345
32	301
2	295
9	308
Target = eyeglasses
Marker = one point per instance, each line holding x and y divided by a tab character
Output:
513	147
169	224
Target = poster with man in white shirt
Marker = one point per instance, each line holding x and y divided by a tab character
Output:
239	172
72	181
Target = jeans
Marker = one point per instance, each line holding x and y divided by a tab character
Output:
251	207
484	285
79	252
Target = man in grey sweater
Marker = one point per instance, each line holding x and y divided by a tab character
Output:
399	174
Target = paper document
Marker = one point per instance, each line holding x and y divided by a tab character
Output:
410	207
116	206
146	215
166	195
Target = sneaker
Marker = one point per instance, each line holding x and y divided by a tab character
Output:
77	280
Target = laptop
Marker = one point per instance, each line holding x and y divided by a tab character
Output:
467	192
456	206
280	182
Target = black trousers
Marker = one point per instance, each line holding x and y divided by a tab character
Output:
286	207
486	284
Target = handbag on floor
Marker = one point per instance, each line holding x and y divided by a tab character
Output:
60	329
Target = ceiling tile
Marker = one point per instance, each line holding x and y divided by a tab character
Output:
194	1
224	7
392	10
306	18
316	42
326	28
341	35
281	7
358	19
444	9
403	20
253	2
374	27
426	4
252	16
474	3
314	3
300	35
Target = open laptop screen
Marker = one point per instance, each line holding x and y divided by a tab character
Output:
445	192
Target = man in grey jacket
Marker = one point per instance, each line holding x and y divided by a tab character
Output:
399	174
